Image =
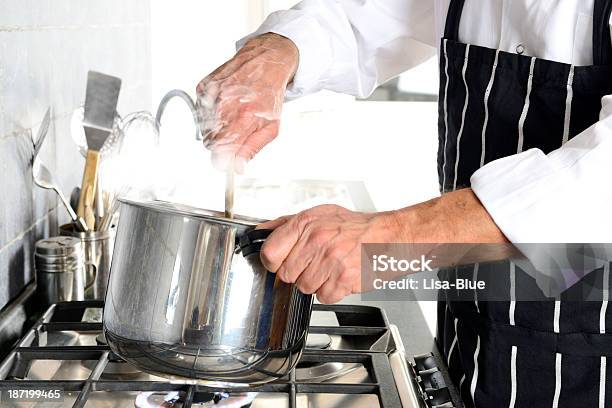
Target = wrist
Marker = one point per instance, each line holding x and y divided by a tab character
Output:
282	50
393	226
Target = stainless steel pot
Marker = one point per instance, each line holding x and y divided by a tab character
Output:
189	298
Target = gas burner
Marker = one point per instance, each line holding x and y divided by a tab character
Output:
156	399
320	370
230	401
318	341
200	400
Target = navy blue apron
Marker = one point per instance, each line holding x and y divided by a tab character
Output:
495	104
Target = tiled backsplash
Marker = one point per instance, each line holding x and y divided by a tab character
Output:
46	49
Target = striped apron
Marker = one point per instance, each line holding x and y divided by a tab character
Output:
548	353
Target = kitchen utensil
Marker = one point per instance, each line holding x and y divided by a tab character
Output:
42	132
99	204
100	105
60	269
189	298
177	93
74	198
44	179
229	192
113	141
98	253
107	220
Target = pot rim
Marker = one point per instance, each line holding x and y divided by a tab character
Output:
167	207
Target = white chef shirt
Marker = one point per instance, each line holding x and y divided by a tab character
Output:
352	46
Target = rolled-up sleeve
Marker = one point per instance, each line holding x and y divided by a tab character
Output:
352	46
565	196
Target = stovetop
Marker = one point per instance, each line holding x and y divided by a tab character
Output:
354	358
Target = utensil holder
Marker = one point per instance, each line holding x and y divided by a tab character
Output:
98	249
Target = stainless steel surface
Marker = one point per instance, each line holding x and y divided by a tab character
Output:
44	179
101	99
401	375
184	301
60	269
98	249
54	287
42	132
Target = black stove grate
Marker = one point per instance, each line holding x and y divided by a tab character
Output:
355	321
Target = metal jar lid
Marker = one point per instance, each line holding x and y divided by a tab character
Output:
59	254
59	246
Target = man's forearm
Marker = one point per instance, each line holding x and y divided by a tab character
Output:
454	218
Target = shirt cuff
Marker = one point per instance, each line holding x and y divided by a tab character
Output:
510	186
315	51
562	197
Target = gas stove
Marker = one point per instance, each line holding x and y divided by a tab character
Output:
354	358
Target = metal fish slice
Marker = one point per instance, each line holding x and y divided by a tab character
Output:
100	105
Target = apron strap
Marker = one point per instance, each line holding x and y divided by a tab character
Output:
602	45
453	18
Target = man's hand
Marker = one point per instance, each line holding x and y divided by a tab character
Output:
240	102
320	249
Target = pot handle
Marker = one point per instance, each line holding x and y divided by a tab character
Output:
93	268
251	241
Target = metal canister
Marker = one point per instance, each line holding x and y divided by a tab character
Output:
60	269
98	248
